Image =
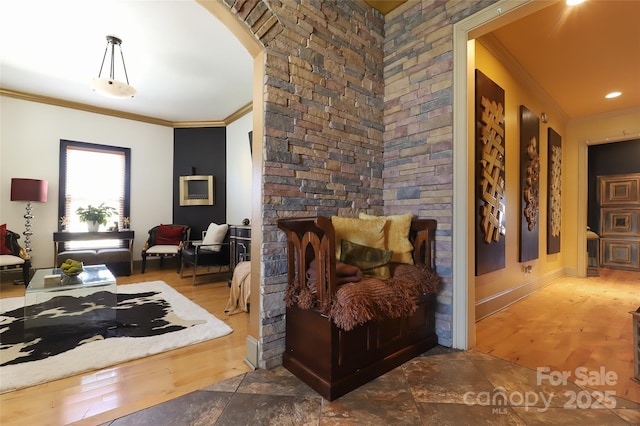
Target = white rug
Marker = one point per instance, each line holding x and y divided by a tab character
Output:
103	353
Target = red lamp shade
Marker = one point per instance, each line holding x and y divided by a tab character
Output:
29	190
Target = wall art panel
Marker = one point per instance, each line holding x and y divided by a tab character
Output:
529	184
490	175
554	183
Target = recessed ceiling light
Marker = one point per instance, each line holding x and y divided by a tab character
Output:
573	2
613	95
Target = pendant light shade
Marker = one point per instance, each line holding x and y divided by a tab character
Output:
109	86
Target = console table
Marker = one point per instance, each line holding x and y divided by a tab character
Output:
118	259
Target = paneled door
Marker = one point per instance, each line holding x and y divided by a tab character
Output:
619	199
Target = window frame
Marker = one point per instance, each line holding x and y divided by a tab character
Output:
62	183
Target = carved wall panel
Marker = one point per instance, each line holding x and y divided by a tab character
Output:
490	172
554	191
529	184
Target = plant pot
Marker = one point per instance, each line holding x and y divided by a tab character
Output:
93	226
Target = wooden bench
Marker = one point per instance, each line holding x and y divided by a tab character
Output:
119	259
329	359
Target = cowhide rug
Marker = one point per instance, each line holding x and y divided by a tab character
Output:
69	335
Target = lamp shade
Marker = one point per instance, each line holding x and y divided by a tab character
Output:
29	190
112	88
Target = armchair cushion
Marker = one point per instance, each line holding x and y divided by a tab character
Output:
3	240
9	259
214	236
169	235
164	249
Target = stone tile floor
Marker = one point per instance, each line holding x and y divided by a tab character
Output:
440	387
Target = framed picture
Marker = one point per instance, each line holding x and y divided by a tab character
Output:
197	190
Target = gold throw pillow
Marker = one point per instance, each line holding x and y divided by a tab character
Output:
397	236
368	232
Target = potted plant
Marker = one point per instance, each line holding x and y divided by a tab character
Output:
95	216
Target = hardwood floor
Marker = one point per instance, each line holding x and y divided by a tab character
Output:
569	324
572	323
99	396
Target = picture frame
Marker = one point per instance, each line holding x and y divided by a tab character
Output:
197	190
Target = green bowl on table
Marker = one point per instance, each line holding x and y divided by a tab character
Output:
71	268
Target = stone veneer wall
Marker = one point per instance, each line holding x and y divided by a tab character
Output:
354	121
418	118
323	127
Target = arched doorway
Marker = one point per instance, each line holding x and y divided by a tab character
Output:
242	30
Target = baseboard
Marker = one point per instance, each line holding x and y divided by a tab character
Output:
492	304
251	358
571	272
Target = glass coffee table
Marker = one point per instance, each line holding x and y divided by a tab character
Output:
50	293
44	285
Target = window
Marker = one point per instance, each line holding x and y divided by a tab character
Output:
93	174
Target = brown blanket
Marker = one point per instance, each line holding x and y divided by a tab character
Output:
344	274
355	303
375	299
240	289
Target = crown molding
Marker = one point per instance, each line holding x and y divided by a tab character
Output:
221	123
82	107
239	113
125	115
194	124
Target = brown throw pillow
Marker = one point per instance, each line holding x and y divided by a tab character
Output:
373	262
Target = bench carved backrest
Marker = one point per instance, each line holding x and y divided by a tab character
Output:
422	236
314	238
309	239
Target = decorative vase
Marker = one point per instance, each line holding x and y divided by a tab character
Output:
93	226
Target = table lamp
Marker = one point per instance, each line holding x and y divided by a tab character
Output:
28	190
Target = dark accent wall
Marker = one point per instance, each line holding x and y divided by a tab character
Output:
204	149
605	160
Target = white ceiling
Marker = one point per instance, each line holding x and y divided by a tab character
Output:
186	66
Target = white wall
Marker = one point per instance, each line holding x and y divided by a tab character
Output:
30	136
239	170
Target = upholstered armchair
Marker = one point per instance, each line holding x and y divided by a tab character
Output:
165	241
211	251
12	256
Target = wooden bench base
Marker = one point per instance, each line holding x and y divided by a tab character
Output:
334	362
329	359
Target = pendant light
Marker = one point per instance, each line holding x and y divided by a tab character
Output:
110	86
